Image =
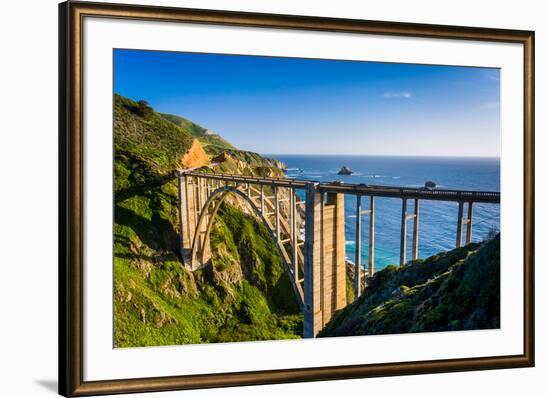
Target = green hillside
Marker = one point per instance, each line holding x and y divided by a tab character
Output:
455	290
182	122
244	294
212	142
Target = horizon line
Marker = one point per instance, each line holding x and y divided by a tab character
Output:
381	155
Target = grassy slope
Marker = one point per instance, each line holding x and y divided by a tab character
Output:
454	290
245	295
184	123
214	142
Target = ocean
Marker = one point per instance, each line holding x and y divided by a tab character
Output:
437	230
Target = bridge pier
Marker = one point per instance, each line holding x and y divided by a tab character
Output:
403	251
192	195
187	202
325	259
293	235
277	214
470	223
371	237
405	217
181	217
358	277
262	199
461	221
414	255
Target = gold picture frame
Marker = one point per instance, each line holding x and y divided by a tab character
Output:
71	16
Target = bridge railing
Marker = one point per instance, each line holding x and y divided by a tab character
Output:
277	181
360	189
447	195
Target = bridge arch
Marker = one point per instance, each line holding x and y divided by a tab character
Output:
207	215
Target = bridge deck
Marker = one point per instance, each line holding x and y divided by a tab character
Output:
359	189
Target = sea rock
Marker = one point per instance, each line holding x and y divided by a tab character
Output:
430	185
345	170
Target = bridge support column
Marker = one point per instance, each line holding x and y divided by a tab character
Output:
358	271
325	259
187	208
360	280
470	225
181	217
203	238
403	251
371	237
262	199
459	224
293	237
197	212
414	254
192	194
199	194
277	214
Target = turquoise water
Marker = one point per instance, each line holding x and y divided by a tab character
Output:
437	230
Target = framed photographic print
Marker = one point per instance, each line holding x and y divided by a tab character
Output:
251	199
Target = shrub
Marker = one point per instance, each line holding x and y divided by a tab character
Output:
143	109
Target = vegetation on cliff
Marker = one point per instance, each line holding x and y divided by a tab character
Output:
244	294
455	290
213	142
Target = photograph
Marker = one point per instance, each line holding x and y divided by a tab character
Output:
270	198
274	199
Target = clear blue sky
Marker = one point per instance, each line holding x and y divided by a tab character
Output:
304	106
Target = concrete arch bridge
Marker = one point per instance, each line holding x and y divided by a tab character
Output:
309	233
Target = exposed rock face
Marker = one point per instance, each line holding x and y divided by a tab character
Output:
222	157
278	164
232	162
195	157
